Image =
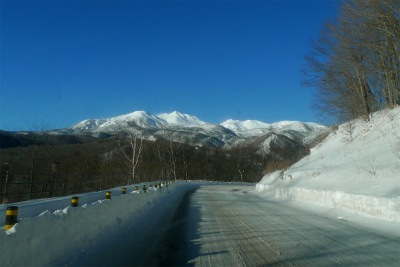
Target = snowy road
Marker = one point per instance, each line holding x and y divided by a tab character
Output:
230	226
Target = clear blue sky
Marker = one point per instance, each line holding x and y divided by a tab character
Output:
66	61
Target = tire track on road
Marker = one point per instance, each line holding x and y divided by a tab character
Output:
250	231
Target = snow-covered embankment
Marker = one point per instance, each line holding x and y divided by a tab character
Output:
356	169
58	236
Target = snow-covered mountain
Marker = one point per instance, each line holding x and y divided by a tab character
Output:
178	119
279	133
180	127
140	119
236	125
253	126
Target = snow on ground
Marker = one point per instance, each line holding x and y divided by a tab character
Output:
50	229
356	169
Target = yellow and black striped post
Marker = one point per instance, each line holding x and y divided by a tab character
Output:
159	185
136	188
11	217
124	191
75	202
144	188
108	195
155	185
150	186
166	184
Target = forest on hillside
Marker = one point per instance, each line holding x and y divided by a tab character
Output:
43	167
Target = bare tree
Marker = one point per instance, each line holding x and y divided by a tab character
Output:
173	158
355	63
161	152
240	156
37	131
135	147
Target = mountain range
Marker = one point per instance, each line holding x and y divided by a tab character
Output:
180	127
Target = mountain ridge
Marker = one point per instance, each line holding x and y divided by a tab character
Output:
175	118
179	127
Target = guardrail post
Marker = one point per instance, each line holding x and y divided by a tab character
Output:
51	185
124	191
11	217
75	202
6	185
108	195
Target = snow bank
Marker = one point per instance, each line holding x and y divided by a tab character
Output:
44	238
356	168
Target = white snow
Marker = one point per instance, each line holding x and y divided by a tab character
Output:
356	169
265	145
352	176
248	125
49	231
89	124
236	125
140	118
307	131
244	129
178	119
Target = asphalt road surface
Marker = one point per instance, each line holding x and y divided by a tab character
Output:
223	225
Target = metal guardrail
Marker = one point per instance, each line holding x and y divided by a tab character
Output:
15	187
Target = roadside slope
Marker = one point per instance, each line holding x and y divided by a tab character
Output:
356	168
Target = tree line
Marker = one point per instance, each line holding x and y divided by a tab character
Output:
354	65
127	158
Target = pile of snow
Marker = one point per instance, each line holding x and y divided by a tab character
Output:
49	230
356	169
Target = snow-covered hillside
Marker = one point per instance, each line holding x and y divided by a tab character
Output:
248	125
356	168
251	130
